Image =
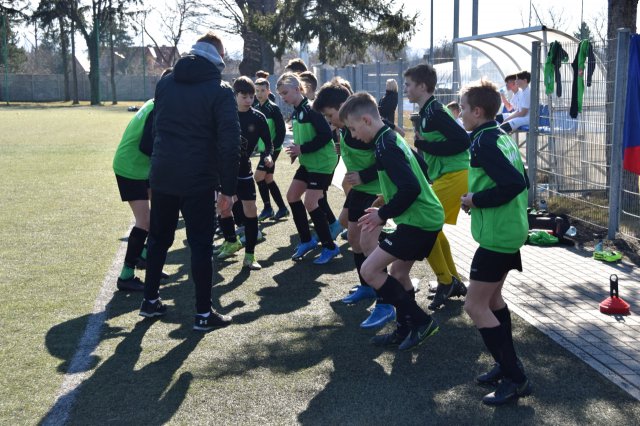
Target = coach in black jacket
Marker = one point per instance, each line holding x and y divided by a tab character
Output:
195	149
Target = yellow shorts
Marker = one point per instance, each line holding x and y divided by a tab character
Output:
449	188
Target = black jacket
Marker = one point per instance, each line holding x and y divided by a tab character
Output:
387	105
196	131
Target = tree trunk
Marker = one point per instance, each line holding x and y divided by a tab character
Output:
94	66
114	98
257	55
64	45
74	70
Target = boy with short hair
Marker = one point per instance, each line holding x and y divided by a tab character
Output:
445	147
412	204
313	146
362	177
264	175
497	202
253	126
520	116
309	84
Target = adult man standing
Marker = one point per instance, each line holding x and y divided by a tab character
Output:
196	149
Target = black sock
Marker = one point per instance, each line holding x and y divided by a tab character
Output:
228	229
263	188
506	127
324	205
393	292
504	317
322	228
275	193
358	259
300	219
250	234
135	245
238	213
497	341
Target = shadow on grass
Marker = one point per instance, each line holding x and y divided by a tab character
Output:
119	387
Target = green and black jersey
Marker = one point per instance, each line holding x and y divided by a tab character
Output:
445	145
499	185
312	132
409	197
277	128
129	161
360	157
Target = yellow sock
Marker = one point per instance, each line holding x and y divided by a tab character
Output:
439	264
446	252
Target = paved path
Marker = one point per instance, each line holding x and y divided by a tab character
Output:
559	293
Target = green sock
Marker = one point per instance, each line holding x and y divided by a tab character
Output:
127	273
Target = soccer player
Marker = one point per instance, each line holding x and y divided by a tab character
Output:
264	175
412	204
313	146
362	176
445	146
497	202
253	126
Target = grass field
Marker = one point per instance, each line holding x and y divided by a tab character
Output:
294	354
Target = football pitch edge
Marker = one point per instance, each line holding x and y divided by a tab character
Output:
81	360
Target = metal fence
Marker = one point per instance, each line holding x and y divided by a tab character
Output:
50	88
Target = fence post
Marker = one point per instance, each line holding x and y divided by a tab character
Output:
400	94
534	118
361	77
619	102
353	78
378	79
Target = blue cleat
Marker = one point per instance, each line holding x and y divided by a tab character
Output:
326	255
266	214
335	228
382	313
283	213
304	248
362	292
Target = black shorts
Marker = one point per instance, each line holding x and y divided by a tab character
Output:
133	189
246	189
491	266
269	170
357	202
313	180
409	242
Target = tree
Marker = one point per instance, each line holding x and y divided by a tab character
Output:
177	18
90	20
584	32
12	13
340	27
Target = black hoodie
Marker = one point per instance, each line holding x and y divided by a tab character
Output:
196	131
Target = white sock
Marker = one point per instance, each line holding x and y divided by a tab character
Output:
153	301
205	315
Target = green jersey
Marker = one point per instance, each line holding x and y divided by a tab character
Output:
312	132
360	157
129	161
408	196
445	145
498	182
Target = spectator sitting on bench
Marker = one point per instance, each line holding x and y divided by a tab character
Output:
520	102
510	105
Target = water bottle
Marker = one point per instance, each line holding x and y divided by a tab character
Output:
542	205
571	232
599	246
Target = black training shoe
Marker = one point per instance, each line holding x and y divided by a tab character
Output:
155	309
441	296
214	320
459	289
493	376
507	391
418	335
132	284
394	338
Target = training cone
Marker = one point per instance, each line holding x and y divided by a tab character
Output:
613	305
